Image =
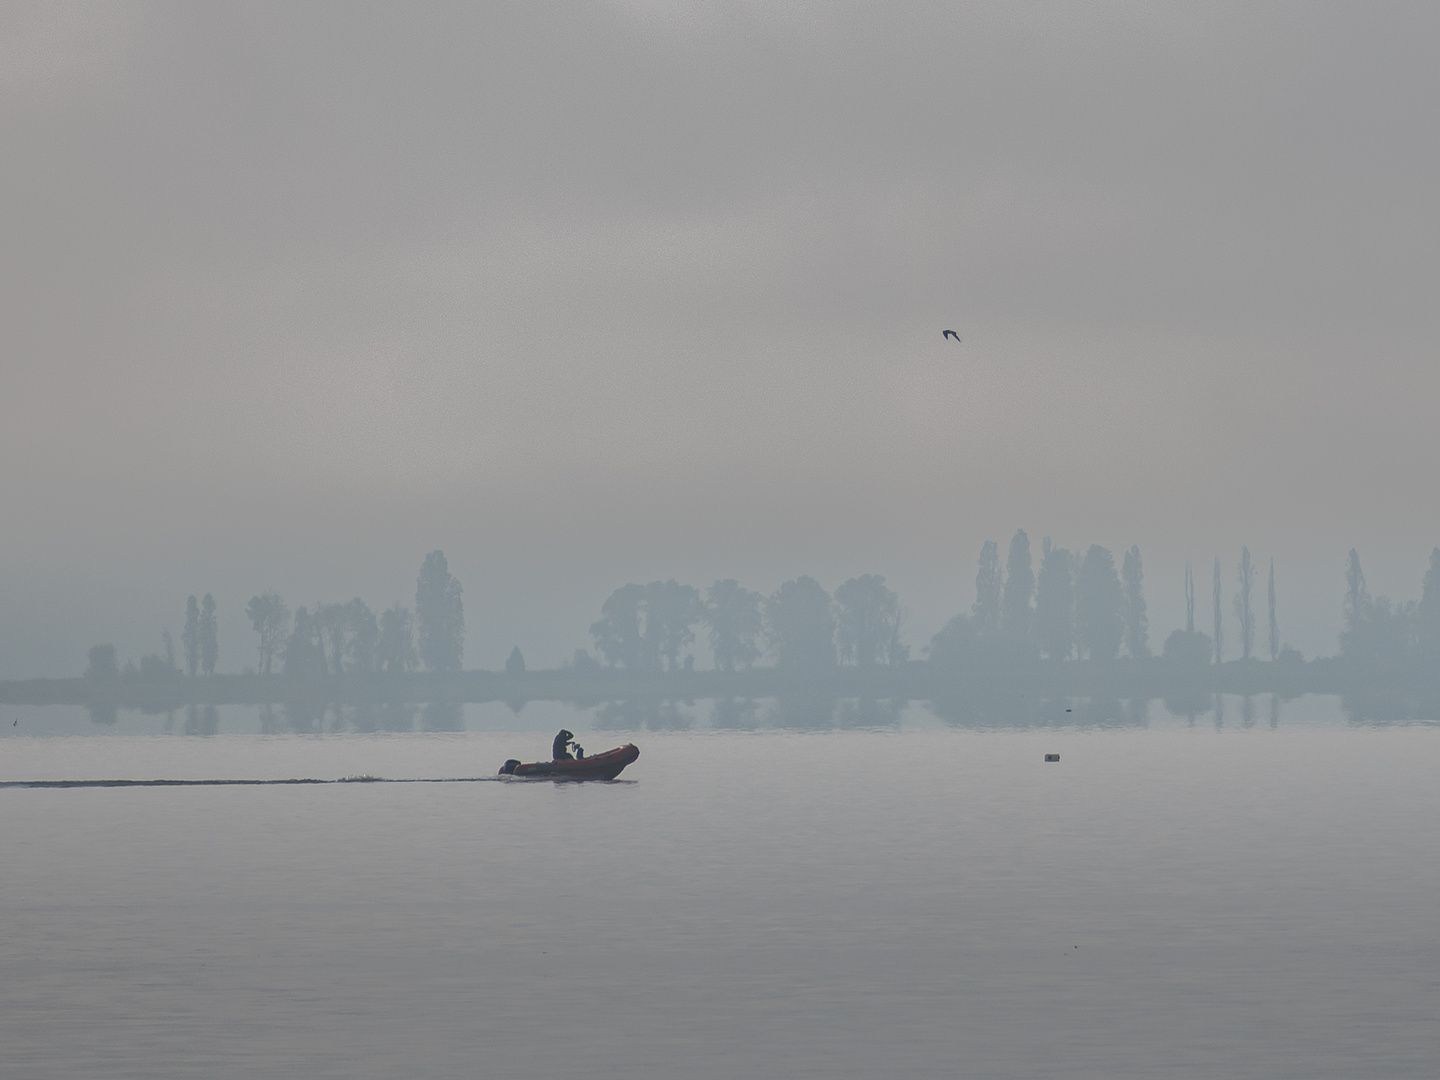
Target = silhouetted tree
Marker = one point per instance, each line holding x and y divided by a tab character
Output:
1274	625
304	653
1192	648
1246	574
209	636
800	625
1055	602
1137	623
868	626
1099	624
957	644
190	636
515	663
439	614
733	615
271	620
1428	613
1354	638
671	612
332	627
617	634
987	591
1017	617
395	651
1189	600
363	639
101	667
1219	624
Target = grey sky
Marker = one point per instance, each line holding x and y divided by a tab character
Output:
588	293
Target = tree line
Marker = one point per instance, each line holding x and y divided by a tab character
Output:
1073	607
1380	633
328	639
645	628
347	637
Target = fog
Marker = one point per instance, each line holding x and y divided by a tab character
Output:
590	294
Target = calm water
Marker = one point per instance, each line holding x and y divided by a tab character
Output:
913	900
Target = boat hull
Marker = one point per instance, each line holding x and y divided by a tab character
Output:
606	766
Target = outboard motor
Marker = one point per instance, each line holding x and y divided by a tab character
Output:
508	769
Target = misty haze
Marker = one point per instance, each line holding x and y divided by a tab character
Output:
974	464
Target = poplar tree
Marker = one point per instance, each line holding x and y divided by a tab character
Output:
190	636
1246	574
987	591
1137	623
1274	624
1428	613
1354	638
209	636
1055	602
1189	600
439	614
1219	624
1099	622
1016	615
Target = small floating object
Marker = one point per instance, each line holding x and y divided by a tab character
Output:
1052	757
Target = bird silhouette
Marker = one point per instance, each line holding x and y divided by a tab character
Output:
950	334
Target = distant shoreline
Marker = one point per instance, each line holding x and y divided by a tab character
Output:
914	680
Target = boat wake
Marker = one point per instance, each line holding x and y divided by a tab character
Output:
280	783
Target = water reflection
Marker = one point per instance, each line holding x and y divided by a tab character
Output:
811	710
644	714
735	714
868	713
442	716
201	720
1391	707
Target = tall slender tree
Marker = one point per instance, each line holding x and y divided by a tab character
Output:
1055	602
439	614
1219	623
987	591
1189	600
209	635
1099	621
1245	572
1274	624
1017	617
190	636
1427	614
1355	637
1137	623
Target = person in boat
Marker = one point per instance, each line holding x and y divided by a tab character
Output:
560	751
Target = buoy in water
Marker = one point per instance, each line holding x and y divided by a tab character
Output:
1052	757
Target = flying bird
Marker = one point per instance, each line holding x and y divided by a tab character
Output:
950	334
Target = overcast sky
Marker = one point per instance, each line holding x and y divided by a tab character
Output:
602	292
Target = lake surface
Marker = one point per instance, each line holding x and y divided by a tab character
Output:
908	899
